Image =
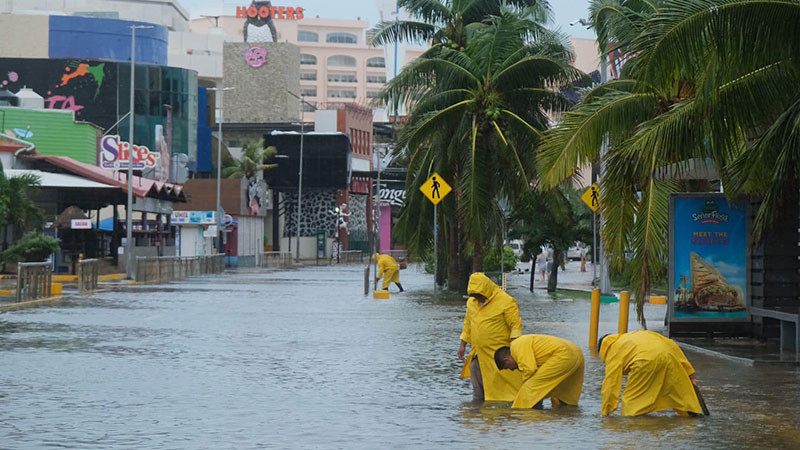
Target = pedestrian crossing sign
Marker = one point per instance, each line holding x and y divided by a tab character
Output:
435	188
592	197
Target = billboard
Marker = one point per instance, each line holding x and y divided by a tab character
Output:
327	161
708	259
193	218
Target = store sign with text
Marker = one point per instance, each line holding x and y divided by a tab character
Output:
264	11
114	154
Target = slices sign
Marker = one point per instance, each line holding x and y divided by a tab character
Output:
114	154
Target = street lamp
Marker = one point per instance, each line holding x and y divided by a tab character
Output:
129	211
300	176
220	91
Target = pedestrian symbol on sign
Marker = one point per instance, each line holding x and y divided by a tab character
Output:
592	197
435	188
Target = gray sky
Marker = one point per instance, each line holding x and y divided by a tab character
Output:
565	11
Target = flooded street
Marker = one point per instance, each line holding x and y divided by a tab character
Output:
302	359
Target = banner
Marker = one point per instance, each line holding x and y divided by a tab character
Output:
708	260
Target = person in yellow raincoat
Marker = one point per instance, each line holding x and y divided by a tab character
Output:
659	375
551	367
492	321
389	270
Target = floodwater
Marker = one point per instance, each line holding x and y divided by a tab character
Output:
301	359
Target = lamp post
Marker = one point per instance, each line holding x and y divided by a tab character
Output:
129	211
220	90
300	175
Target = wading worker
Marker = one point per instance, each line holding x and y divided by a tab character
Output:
389	270
550	366
659	375
492	321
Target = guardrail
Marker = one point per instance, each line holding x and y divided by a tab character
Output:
87	275
155	270
276	259
351	256
34	281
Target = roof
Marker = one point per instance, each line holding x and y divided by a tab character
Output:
59	180
142	187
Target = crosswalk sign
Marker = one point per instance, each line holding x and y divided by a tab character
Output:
592	197
435	188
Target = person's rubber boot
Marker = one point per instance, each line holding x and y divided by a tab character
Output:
399	286
539	405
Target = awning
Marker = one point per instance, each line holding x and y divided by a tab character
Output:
59	180
142	187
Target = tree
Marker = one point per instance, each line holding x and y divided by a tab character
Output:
33	247
18	212
475	116
251	162
705	80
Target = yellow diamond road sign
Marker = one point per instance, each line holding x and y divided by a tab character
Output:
435	188
592	197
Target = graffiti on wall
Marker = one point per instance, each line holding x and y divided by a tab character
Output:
255	57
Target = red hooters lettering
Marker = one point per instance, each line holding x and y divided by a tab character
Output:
281	12
298	13
241	12
289	12
264	12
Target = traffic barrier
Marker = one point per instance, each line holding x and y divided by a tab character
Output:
87	275
56	289
351	256
276	259
594	320
34	281
624	309
156	270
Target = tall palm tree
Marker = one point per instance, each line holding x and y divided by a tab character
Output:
476	115
251	162
705	80
448	22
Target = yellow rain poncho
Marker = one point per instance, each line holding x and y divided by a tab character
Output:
551	367
487	328
387	269
658	375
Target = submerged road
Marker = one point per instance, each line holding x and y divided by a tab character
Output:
301	359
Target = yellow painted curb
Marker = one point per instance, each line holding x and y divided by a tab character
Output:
30	304
7	292
132	283
658	300
65	278
56	288
111	276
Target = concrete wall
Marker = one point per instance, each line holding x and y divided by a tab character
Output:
24	36
250	235
260	92
202	53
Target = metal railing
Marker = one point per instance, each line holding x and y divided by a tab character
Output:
351	256
276	259
34	281
87	275
156	270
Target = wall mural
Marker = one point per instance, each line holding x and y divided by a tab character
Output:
357	222
255	56
315	213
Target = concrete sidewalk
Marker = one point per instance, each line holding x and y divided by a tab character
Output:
570	278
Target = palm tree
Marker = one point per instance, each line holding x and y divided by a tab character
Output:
251	162
449	22
18	212
476	116
705	80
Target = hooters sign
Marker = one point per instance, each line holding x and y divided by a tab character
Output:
263	11
114	154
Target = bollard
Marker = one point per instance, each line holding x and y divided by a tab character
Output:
624	308
366	280
594	321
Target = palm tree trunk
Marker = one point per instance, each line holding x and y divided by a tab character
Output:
477	256
552	283
453	257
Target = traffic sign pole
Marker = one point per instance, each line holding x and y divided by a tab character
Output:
435	247
435	189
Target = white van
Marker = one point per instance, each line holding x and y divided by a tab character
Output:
516	246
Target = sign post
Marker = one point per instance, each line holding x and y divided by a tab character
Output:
435	189
592	199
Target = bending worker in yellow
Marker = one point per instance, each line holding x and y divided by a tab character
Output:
659	375
551	367
389	270
492	321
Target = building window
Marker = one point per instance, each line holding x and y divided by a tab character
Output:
342	78
307	59
375	94
308	92
377	61
341	38
308	108
342	60
307	36
309	76
341	93
376	78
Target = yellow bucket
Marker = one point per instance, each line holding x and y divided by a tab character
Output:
383	295
658	300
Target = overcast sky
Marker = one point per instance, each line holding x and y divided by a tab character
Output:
565	11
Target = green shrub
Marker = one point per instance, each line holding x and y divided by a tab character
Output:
33	247
492	261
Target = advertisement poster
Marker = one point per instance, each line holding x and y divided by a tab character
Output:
708	258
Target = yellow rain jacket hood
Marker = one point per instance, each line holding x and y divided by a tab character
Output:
388	269
551	367
488	327
658	375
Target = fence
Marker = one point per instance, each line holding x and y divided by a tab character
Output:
351	256
87	275
155	270
34	281
276	259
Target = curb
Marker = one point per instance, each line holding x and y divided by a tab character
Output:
31	304
738	359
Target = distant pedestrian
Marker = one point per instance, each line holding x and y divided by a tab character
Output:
583	261
389	270
541	266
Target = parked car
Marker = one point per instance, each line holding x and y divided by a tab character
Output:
516	246
574	252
